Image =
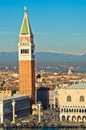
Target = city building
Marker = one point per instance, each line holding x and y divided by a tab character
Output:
35	109
70	101
6	93
22	107
26	58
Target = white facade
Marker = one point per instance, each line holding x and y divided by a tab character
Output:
25	51
71	102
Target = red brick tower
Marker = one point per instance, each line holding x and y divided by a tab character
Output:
26	59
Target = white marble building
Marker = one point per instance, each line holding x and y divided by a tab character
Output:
71	101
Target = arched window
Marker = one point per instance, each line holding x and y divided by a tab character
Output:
83	110
63	118
81	98
61	109
77	110
80	110
70	110
67	109
74	110
68	98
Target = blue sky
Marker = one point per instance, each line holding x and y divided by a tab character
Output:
58	25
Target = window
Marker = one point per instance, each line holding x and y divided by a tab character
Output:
24	51
81	98
56	100
74	110
68	98
80	110
61	109
70	110
32	51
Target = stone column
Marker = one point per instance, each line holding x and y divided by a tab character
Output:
39	112
13	105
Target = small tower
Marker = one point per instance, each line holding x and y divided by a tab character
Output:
26	58
70	71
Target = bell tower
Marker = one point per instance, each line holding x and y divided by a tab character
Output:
26	59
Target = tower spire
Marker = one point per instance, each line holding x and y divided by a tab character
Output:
25	28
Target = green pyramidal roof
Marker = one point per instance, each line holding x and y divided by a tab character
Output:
25	28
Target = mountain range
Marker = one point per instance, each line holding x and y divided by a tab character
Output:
44	59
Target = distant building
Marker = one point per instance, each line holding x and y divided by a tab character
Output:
39	78
6	93
70	71
22	107
35	109
26	58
